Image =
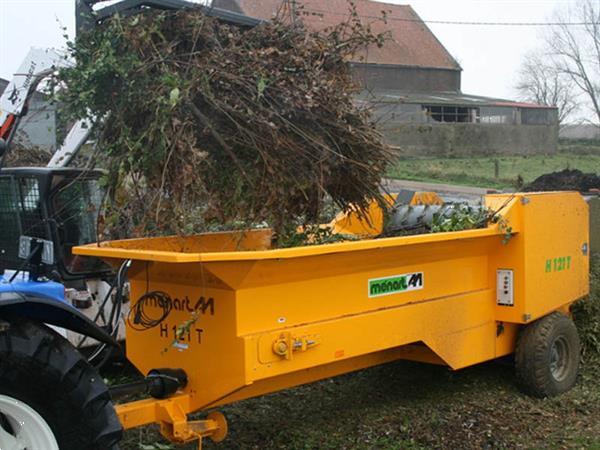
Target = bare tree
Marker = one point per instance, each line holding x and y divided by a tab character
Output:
574	50
544	84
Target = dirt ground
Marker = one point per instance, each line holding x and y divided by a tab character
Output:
567	179
406	405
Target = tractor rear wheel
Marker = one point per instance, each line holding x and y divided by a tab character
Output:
547	356
50	397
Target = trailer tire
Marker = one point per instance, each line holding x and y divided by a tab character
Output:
547	356
40	369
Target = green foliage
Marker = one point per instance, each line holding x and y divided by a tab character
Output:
503	225
587	311
463	217
310	235
468	217
200	122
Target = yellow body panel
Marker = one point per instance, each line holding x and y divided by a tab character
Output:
269	319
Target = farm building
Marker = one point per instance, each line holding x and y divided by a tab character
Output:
38	127
414	84
448	124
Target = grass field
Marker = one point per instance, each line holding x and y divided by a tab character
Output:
480	171
406	405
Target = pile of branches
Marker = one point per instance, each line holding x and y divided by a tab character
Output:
204	122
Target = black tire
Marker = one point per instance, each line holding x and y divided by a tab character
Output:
547	356
41	369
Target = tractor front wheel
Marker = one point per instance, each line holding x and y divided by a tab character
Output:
50	397
547	356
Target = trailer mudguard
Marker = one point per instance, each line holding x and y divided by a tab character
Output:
51	312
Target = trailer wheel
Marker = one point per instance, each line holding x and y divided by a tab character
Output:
547	356
50	397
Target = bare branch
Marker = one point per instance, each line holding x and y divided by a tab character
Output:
545	85
575	52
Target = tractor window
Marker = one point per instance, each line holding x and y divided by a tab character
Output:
9	218
32	221
20	215
76	207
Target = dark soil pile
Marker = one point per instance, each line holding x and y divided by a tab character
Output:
565	180
207	123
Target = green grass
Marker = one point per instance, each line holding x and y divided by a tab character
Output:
480	171
587	312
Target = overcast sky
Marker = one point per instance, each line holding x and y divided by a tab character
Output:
490	56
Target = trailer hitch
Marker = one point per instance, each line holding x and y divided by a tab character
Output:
159	383
166	408
171	414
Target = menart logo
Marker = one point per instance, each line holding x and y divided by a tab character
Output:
395	284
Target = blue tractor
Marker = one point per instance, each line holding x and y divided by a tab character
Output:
51	397
44	212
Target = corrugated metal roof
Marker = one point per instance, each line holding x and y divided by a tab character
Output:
444	98
411	43
128	7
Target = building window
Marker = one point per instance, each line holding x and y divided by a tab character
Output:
451	113
497	115
534	116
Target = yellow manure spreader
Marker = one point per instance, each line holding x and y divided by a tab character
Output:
222	317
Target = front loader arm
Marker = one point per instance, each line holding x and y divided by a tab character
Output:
38	64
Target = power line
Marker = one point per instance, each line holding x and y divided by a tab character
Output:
452	22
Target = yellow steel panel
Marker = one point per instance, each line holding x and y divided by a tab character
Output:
143	412
353	222
159	254
556	268
554	230
448	325
209	350
507	338
344	291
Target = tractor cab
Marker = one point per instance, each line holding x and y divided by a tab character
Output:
45	212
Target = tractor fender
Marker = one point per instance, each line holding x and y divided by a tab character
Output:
51	312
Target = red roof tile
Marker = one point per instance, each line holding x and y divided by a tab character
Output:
411	44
